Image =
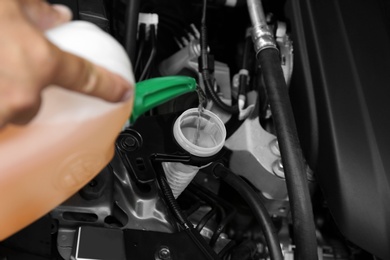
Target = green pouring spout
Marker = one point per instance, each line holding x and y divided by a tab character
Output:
153	92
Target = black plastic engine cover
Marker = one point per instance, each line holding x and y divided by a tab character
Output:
342	80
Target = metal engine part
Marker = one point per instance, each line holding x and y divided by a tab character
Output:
286	49
111	200
256	156
187	59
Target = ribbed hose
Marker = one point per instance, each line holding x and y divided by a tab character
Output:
256	205
291	153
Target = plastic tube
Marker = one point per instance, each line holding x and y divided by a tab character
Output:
179	176
292	157
256	205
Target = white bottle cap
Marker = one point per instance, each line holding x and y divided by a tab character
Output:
86	40
211	136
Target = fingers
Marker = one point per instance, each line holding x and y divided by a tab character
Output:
29	66
19	108
44	15
77	74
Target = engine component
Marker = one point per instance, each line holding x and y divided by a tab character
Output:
187	59
179	176
286	50
131	204
95	243
261	34
199	132
99	244
297	186
256	205
255	155
162	246
122	204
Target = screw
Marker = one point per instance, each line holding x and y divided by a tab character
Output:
277	168
281	165
129	143
164	253
223	236
282	209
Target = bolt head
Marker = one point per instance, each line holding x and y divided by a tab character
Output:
164	254
130	142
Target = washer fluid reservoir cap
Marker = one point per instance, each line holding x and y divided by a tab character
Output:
202	136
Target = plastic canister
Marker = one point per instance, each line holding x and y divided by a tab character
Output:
69	141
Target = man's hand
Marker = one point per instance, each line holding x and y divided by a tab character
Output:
29	62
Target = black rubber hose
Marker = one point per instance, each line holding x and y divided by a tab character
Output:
256	205
132	12
214	97
291	153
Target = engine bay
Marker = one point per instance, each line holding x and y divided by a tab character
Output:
308	180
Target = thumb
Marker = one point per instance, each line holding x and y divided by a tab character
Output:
44	15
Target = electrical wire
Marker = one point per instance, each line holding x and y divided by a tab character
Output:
152	53
183	222
225	219
256	205
202	223
205	66
141	46
225	251
220	229
172	203
246	64
204	195
214	96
